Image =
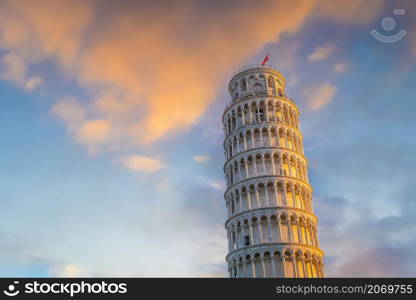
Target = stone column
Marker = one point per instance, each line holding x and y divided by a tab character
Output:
248	199
269	230
267	112
266	189
261	137
260	231
241	201
284	194
290	230
263	266
257	196
273	263
274	110
253	265
284	265
246	167
250	227
295	266
243	117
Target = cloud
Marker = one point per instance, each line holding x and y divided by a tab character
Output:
134	73
14	69
164	184
33	82
201	158
140	163
70	111
321	53
68	271
354	11
340	67
218	185
41	29
371	237
96	131
87	132
319	96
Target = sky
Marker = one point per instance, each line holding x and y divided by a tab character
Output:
111	137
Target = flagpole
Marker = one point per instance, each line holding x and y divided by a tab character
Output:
265	60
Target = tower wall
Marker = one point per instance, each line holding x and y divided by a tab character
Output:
271	227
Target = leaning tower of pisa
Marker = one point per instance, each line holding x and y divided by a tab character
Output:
271	227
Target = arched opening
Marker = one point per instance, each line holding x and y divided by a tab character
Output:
267	264
268	164
282	140
270	83
289	267
243	83
295	231
301	272
289	196
284	229
265	137
274	229
285	165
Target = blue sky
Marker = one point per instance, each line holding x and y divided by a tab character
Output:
111	148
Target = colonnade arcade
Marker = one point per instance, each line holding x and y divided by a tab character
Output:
276	261
268	193
250	111
265	162
251	137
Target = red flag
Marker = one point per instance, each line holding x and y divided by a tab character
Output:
266	59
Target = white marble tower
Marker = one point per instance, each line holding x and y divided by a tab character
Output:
271	227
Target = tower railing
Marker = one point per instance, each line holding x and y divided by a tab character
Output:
251	66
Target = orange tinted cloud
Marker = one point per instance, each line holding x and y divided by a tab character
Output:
320	95
151	69
321	53
140	163
340	67
38	29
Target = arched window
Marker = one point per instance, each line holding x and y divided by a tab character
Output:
244	85
257	85
270	82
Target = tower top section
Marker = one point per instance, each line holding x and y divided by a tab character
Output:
256	80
